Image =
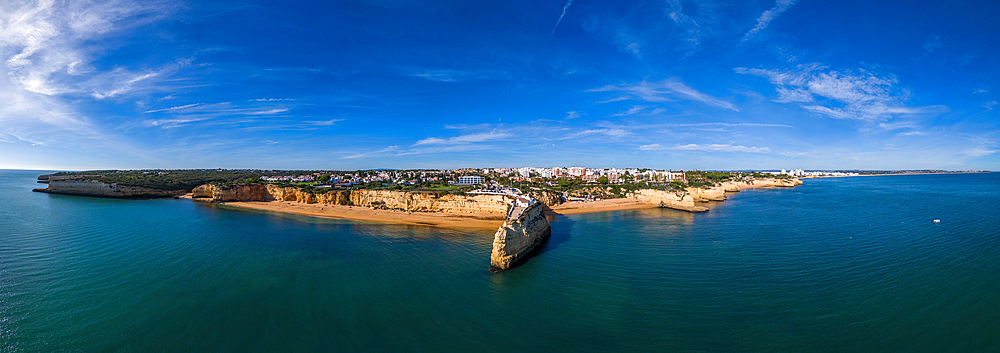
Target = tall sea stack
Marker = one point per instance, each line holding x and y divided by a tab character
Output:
519	235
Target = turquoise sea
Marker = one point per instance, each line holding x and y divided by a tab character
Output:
836	265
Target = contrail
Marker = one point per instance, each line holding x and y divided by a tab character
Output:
565	7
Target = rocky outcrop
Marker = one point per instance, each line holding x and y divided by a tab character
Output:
715	193
231	193
775	182
732	186
430	202
99	189
678	200
518	237
602	192
546	197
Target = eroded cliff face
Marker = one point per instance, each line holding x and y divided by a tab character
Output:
781	183
517	238
430	202
715	193
287	193
679	200
546	197
99	189
232	193
603	192
732	186
378	199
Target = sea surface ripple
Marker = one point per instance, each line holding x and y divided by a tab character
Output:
840	264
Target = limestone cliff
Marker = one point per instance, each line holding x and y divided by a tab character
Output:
679	200
231	193
287	193
430	202
99	189
546	197
518	237
378	199
715	193
781	183
732	186
604	192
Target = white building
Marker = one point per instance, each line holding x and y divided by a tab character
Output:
470	180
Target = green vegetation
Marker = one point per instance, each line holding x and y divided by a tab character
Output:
171	179
438	182
702	179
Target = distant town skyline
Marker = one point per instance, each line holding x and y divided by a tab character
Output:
350	85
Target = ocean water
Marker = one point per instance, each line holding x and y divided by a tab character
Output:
836	265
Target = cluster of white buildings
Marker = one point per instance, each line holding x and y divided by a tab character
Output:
802	173
290	178
614	175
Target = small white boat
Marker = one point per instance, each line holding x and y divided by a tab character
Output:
937	221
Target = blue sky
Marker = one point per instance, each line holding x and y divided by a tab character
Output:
445	84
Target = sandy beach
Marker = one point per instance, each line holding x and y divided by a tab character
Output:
444	220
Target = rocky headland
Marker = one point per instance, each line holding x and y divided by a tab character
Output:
83	187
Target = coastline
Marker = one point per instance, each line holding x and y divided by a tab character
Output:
365	214
431	219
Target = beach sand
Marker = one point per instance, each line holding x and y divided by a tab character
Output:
443	220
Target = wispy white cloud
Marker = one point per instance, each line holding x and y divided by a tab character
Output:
463	139
696	22
978	152
989	105
619	33
268	111
47	48
706	147
324	122
780	6
897	125
173	108
572	115
373	153
565	7
981	90
635	109
171	123
860	95
448	75
729	125
224	113
272	99
665	91
933	44
793	95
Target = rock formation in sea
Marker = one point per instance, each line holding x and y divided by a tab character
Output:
678	200
519	236
715	193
